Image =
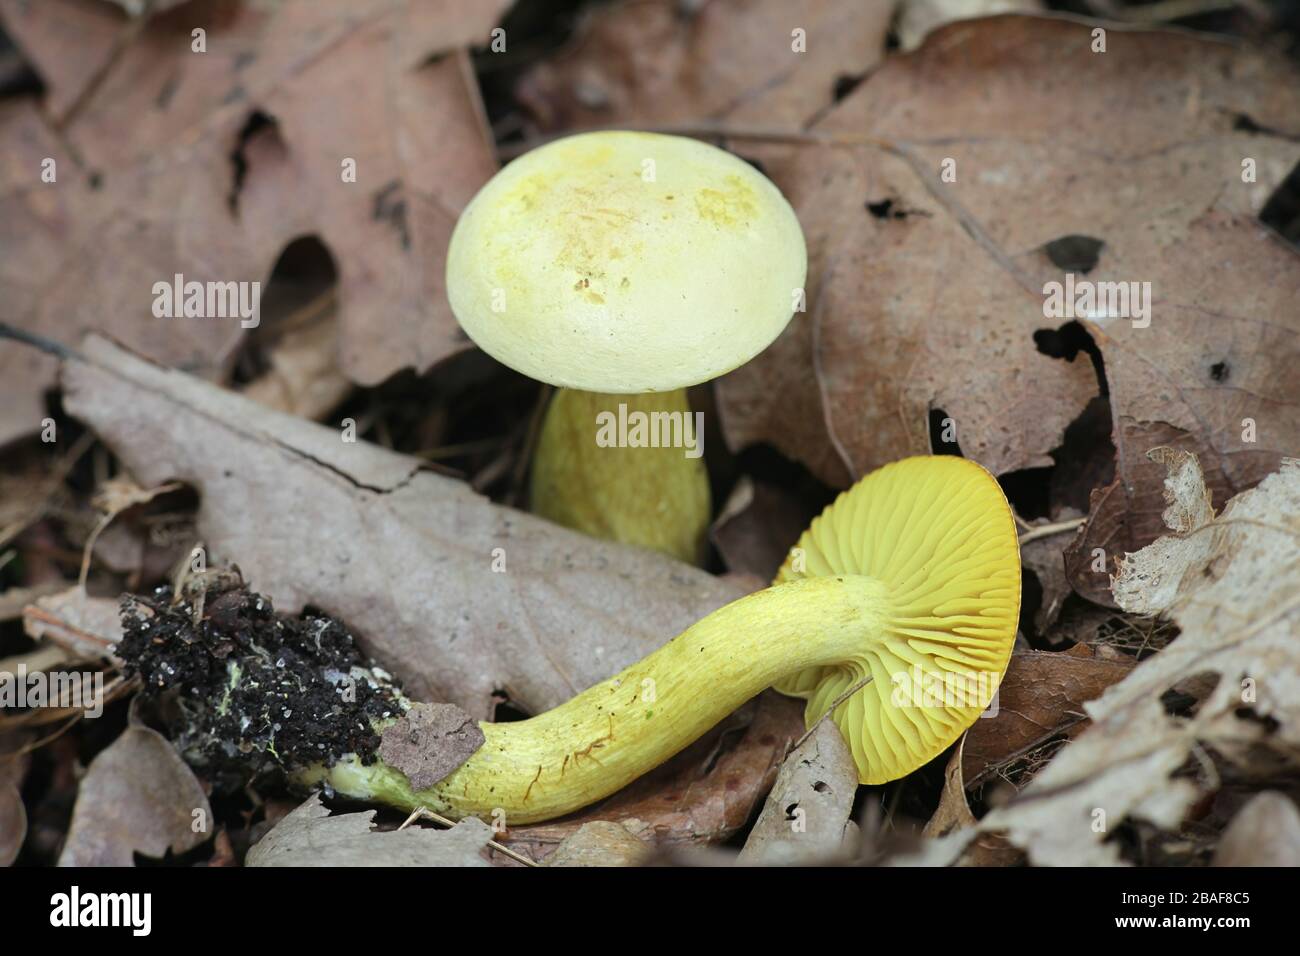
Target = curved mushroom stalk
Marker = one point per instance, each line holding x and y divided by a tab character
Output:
604	738
911	578
626	468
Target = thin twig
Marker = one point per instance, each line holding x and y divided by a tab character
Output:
1047	530
424	813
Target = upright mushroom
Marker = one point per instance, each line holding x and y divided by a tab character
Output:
910	578
617	265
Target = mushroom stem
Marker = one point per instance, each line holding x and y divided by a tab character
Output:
624	468
612	733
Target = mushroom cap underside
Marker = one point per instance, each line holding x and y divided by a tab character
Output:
940	535
626	262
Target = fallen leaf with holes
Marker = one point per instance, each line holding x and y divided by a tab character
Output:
143	155
1232	584
805	819
138	796
406	557
703	795
661	62
309	836
925	295
1041	697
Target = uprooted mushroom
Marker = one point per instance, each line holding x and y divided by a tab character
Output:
895	612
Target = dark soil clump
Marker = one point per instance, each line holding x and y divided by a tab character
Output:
254	692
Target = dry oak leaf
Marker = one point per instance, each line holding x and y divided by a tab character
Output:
309	836
924	295
805	819
404	556
147	188
1232	584
1042	695
645	63
137	796
1265	832
429	741
600	843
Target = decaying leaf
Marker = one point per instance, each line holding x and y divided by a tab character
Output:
1042	695
309	836
601	843
652	62
170	200
1232	584
459	598
429	741
138	796
303	378
1265	832
757	527
916	18
943	841
13	815
805	819
953	812
926	290
85	627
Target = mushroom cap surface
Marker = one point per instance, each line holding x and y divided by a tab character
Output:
626	262
939	533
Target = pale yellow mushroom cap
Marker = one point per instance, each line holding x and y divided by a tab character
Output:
938	532
626	262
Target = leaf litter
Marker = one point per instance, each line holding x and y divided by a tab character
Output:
925	318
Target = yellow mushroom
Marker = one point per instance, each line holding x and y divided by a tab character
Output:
911	578
625	264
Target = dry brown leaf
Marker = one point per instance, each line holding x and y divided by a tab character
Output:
1265	832
1045	558
944	841
13	814
703	795
652	62
138	796
1233	587
167	198
86	627
925	295
917	18
600	843
1042	695
805	819
757	527
309	836
303	378
405	556
429	741
953	812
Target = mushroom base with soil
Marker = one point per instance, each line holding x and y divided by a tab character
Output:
911	578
